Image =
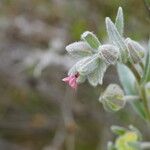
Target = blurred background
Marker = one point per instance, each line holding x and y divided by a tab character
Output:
37	110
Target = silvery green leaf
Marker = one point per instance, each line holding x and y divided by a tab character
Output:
146	75
128	81
136	51
110	146
79	49
72	70
87	65
96	77
119	23
118	130
117	40
109	53
102	69
91	39
81	79
93	78
113	98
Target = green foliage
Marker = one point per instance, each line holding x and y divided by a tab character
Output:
128	82
91	39
119	23
117	40
128	55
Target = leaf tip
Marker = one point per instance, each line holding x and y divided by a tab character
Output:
84	34
120	10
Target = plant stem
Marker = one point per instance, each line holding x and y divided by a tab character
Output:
135	72
142	88
142	65
145	101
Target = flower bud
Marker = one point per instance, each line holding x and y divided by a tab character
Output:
128	141
109	53
113	98
135	49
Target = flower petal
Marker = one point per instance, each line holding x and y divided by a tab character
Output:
66	79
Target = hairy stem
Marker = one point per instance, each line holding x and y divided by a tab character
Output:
145	101
134	70
142	89
142	65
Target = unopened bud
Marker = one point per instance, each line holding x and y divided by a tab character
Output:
135	49
128	141
113	98
109	53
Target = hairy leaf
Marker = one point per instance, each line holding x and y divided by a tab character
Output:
79	49
128	81
117	40
91	39
96	77
119	23
87	65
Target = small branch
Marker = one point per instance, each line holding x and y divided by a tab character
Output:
145	101
142	65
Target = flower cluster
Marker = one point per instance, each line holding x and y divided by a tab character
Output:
94	58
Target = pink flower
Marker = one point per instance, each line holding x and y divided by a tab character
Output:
72	80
